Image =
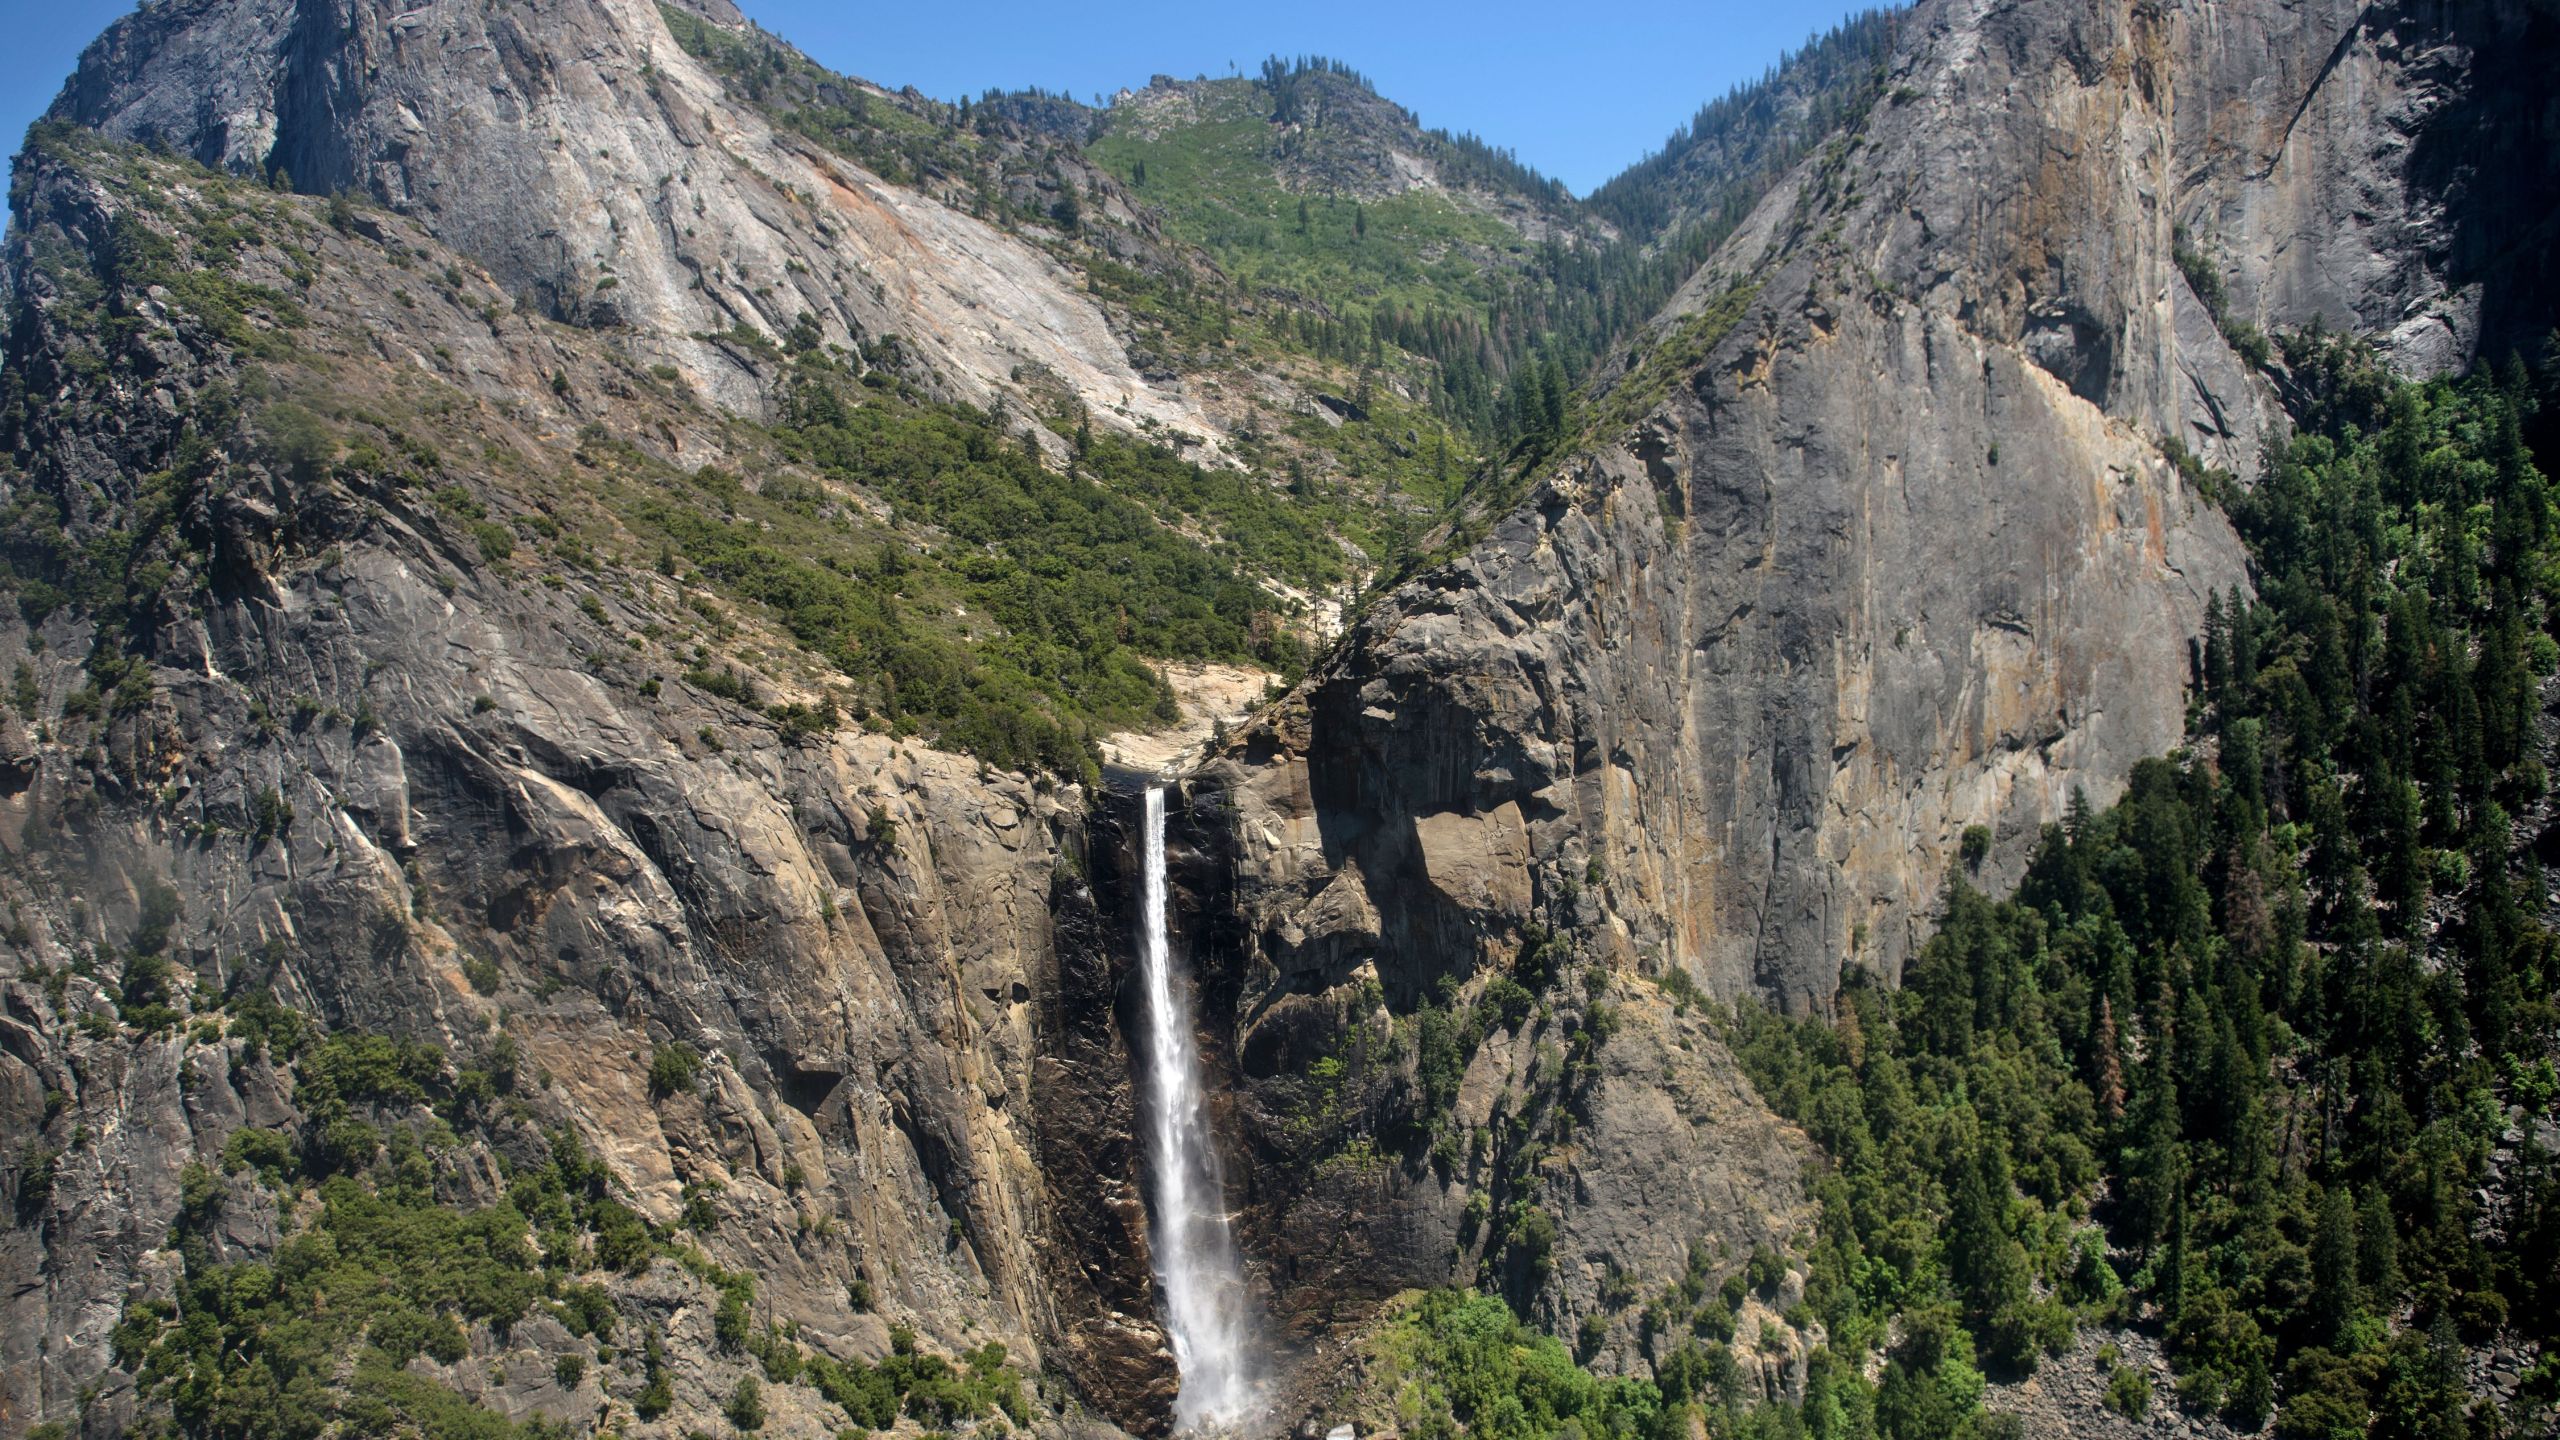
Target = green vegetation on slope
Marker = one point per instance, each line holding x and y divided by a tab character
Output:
1431	284
1452	1359
1453	1363
1735	147
2237	1056
1279	179
964	587
381	1266
1022	626
1213	178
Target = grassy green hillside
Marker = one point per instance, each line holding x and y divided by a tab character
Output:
1213	168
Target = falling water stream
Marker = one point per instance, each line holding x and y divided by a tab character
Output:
1195	1254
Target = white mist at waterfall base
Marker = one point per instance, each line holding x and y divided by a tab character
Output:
1195	1253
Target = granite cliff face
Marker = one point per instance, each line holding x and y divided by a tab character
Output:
1873	536
407	787
2384	169
596	167
1897	550
1884	535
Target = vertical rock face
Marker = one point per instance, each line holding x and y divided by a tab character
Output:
2385	169
1899	557
410	791
1321	945
1763	728
594	167
1878	541
1900	554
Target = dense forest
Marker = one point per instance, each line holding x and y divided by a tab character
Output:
2243	1061
2247	1054
2247	1058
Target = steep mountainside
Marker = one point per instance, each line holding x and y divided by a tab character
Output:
1895	530
471	750
667	210
346	748
1962	333
570	565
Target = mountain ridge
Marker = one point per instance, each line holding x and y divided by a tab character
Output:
596	781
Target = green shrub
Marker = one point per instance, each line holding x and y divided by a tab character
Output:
35	1177
729	1320
1531	1237
674	1069
2129	1392
587	1310
269	815
746	1405
622	1239
496	541
269	1152
1974	846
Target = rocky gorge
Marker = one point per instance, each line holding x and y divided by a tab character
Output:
364	673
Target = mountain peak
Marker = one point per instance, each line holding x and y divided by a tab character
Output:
673	207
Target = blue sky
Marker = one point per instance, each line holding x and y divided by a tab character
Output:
1579	100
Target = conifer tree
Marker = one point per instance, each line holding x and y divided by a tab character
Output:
2336	1297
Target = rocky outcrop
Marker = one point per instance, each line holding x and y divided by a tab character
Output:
596	168
1608	1108
406	786
1895	552
2069	1396
1879	539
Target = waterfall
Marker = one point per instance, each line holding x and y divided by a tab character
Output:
1195	1255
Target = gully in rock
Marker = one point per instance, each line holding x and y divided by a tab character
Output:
1195	1252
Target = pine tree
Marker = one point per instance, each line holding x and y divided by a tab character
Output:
2110	1086
2155	1163
2244	639
2377	1247
1853	1035
2336	1299
2217	648
1986	1261
2076	820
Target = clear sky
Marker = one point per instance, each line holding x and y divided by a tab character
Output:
1577	96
